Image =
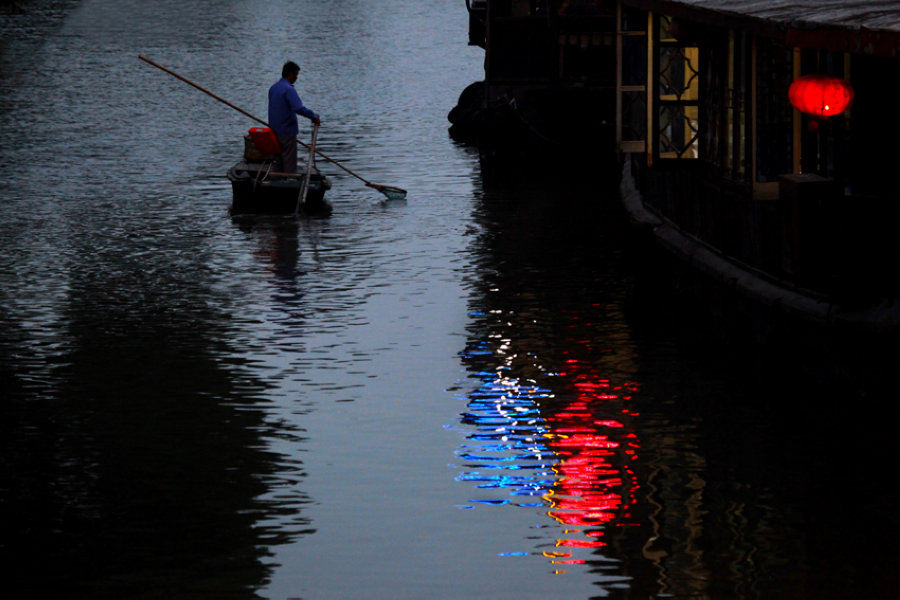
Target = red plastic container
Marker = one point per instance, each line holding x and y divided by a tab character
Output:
265	140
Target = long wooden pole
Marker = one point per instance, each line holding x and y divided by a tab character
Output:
391	192
301	199
204	90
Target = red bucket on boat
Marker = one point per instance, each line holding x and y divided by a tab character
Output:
265	140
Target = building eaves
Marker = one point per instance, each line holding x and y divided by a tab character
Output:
867	26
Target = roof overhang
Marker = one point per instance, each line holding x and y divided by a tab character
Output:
856	26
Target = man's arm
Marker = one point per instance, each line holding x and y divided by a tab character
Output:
298	107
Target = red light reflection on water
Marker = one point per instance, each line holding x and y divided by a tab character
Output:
595	483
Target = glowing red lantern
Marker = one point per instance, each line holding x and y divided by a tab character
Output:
820	95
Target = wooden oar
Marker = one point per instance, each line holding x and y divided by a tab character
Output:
392	193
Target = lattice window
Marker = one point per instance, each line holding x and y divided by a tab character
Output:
678	95
678	135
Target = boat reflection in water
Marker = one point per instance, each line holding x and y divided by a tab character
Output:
567	449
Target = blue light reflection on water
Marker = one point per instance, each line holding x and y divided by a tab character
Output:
510	452
558	452
505	453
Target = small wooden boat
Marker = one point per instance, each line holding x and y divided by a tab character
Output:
257	190
260	190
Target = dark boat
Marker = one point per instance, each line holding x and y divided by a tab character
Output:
257	191
260	190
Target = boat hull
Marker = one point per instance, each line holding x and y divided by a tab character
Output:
254	194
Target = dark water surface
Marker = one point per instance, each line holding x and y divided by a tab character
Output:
456	396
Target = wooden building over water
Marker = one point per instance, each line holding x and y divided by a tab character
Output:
774	214
778	214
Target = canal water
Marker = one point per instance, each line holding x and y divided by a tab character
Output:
471	393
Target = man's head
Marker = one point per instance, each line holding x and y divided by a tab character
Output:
290	71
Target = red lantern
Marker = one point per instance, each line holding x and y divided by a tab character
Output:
820	95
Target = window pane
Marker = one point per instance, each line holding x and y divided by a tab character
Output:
634	60
774	140
633	19
665	28
678	126
634	116
678	72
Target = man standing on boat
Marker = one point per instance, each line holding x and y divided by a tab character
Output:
284	106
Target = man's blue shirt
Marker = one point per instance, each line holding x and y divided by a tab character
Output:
284	106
